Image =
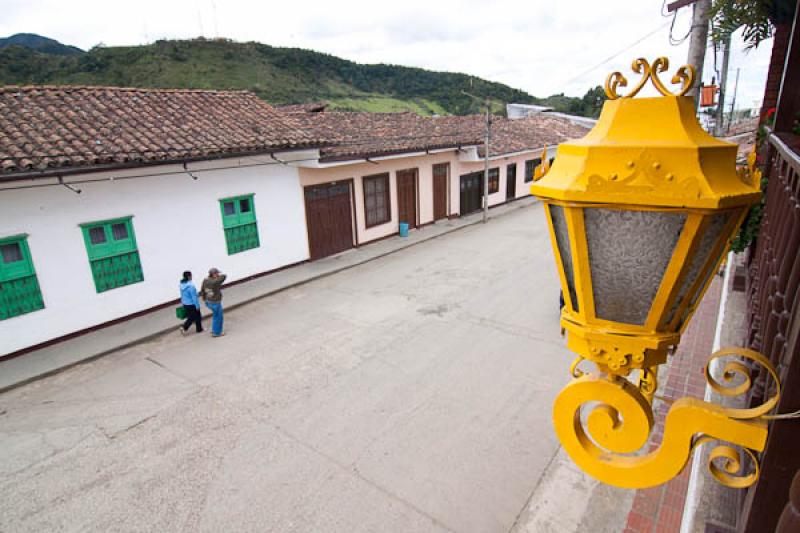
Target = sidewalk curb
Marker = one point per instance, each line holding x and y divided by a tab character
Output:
150	336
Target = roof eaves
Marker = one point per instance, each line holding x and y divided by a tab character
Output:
52	172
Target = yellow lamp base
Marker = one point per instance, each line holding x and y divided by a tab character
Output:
609	440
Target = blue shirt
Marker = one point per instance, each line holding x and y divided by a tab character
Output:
189	294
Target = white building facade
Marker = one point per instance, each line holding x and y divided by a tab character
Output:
171	221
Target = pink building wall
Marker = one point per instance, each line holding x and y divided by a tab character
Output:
424	165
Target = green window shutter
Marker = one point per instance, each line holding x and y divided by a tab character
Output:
19	286
113	255
239	223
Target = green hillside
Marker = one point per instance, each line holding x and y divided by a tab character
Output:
279	75
40	44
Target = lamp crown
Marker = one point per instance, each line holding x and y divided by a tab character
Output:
685	75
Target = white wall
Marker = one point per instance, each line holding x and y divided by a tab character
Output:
178	226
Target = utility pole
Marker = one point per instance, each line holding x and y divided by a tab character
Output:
723	80
486	137
733	101
486	161
698	40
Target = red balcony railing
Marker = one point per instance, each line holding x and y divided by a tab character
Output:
774	319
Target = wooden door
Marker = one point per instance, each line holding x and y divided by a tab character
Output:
471	193
329	218
511	181
407	197
440	176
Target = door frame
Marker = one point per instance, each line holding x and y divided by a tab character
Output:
471	175
514	197
415	170
353	220
447	203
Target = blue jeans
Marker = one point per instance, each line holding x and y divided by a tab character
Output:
216	317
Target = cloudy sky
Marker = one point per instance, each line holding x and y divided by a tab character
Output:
542	47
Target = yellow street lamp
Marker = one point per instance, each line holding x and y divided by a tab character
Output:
641	212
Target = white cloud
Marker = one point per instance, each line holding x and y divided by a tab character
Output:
540	47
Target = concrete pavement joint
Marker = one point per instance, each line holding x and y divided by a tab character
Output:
534	489
505	328
132	426
354	472
172	372
56	451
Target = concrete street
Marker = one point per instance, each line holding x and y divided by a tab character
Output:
411	393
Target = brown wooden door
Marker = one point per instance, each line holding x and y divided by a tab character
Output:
407	197
440	175
511	181
471	193
329	218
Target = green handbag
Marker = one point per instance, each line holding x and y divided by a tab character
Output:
180	313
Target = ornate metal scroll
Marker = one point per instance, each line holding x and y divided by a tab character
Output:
605	423
684	76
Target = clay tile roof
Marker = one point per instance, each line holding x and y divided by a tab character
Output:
354	135
518	135
47	127
314	107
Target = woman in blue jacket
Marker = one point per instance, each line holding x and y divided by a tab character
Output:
191	304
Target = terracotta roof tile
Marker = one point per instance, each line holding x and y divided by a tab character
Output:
355	135
46	128
50	127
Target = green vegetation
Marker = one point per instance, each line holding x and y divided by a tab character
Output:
40	44
756	17
377	103
279	75
588	106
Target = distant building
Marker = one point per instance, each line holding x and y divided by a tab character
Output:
525	110
515	111
108	194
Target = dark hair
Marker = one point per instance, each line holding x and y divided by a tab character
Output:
186	275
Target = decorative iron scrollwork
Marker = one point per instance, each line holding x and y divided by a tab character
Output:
684	76
605	422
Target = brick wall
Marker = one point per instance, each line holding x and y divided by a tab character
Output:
780	45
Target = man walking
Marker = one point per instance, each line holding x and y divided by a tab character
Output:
212	295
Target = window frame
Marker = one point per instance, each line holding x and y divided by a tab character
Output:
238	219
387	199
19	277
494	180
26	267
530	168
110	248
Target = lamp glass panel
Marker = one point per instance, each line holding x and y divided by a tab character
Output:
562	239
708	238
629	252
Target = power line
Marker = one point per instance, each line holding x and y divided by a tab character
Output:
603	62
672	40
